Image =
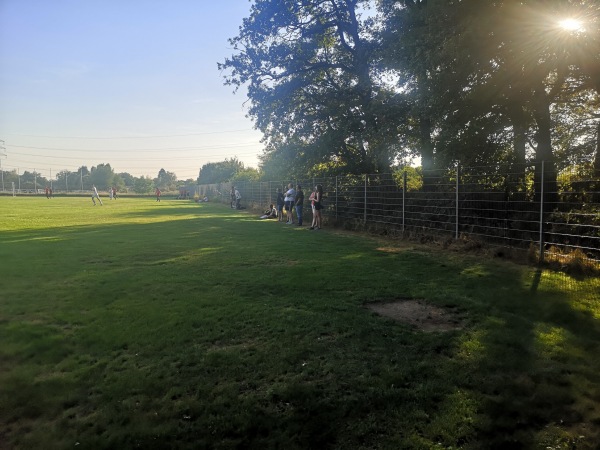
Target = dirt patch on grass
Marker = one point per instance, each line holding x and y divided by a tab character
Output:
419	314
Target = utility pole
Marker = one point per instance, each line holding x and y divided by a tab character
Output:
1	155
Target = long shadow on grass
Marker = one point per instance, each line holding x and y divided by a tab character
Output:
210	332
527	360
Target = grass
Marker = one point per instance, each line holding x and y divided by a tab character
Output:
175	325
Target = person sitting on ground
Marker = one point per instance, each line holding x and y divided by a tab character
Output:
270	213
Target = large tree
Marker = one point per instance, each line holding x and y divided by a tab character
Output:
310	71
219	172
166	181
101	176
485	76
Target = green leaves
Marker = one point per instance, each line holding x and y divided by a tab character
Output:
310	72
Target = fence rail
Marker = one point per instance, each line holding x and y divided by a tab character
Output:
504	207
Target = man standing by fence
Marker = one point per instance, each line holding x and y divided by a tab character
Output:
290	196
299	203
238	198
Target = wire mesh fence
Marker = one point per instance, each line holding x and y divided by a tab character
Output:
529	206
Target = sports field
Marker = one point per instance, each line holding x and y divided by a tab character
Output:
140	324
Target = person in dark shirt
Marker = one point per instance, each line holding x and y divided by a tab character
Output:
299	203
280	202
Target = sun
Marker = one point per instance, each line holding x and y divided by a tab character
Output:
571	24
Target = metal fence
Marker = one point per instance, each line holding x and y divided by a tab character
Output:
506	207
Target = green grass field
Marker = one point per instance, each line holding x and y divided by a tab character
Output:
176	325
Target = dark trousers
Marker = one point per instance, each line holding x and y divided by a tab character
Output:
299	214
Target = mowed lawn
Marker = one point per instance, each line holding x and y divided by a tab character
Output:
151	325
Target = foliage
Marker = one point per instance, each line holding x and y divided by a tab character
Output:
127	178
118	182
101	176
414	178
143	185
310	70
32	180
247	174
219	172
477	82
166	181
576	177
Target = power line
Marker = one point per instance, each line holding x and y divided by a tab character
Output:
130	137
171	158
136	149
175	169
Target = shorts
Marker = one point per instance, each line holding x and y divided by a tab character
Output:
288	205
318	206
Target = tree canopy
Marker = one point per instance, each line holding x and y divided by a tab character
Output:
358	86
220	171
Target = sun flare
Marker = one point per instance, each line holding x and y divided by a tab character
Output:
571	24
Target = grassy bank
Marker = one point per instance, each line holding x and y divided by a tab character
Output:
178	325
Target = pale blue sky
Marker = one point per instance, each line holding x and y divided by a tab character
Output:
137	79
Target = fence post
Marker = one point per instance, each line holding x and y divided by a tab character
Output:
404	183
336	199
541	258
457	186
365	208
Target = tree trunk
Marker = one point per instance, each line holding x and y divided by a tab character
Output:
597	156
517	118
596	171
427	161
544	149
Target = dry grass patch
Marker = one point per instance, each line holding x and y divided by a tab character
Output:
419	314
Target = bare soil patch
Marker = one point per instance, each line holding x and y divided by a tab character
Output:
419	314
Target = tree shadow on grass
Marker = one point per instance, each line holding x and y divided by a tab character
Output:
531	372
498	384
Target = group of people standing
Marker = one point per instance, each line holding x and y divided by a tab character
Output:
293	199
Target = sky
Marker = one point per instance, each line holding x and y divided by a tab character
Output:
131	83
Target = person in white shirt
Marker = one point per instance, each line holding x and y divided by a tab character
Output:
95	195
289	200
238	197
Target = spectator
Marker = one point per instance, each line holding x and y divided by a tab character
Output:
318	207
311	199
299	203
289	199
270	213
280	202
238	198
